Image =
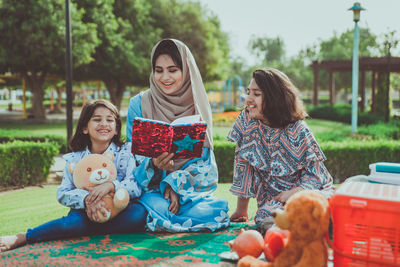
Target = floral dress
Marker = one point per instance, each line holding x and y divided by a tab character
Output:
269	161
195	183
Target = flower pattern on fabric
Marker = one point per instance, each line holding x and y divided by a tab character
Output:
180	177
269	161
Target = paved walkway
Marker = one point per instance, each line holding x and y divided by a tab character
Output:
56	170
17	116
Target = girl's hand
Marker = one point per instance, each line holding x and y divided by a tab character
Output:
239	216
93	208
170	194
284	196
98	192
164	161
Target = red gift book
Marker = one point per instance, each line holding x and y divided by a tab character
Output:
184	137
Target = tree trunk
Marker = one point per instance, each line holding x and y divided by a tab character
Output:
59	90
382	103
35	82
116	88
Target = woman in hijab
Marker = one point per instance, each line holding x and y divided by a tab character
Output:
177	193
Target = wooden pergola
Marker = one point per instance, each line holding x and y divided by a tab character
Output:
373	64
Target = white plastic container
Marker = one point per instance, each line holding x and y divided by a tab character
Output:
385	172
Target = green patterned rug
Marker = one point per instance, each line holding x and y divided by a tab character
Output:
143	249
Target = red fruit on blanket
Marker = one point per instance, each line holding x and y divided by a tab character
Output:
248	242
275	239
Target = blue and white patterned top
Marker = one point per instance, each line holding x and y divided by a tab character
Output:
269	161
70	196
195	183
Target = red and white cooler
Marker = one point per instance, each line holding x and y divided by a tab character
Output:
366	224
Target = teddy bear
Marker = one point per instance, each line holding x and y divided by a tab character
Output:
95	169
306	216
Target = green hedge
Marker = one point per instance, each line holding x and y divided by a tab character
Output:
224	155
12	135
342	113
345	159
26	163
349	158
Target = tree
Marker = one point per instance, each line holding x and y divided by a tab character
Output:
341	46
383	95
128	29
126	36
269	49
298	68
32	42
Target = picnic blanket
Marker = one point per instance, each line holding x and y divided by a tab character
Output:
140	249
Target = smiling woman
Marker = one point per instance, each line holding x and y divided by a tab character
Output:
177	193
168	76
167	68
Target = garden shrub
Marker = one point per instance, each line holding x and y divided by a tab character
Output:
11	135
344	159
382	130
224	154
349	158
342	113
232	108
26	163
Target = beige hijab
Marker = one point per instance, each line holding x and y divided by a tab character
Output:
190	99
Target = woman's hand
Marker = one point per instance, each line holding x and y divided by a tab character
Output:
92	210
164	161
170	194
98	192
284	196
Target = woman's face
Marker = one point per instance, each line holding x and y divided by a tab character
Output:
254	102
167	74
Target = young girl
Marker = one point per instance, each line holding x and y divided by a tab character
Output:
276	153
98	131
177	193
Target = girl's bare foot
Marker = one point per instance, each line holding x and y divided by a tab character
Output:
12	241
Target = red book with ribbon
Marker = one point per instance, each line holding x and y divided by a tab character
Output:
184	137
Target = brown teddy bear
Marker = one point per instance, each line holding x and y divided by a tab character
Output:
306	216
95	169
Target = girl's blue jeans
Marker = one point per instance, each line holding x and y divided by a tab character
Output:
76	224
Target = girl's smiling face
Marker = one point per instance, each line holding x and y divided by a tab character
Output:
167	74
254	102
101	126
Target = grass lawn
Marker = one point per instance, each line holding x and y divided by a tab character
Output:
322	129
21	209
32	206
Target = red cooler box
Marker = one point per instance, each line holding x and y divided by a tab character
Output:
366	224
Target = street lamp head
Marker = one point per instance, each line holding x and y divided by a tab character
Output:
356	11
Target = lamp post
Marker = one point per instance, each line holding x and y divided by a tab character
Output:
68	69
354	88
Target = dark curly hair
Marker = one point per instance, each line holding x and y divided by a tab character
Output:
79	140
281	104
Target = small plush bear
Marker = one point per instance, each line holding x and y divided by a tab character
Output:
306	216
95	169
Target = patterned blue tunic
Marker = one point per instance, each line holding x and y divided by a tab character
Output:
194	183
269	161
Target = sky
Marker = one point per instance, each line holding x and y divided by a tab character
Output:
299	22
